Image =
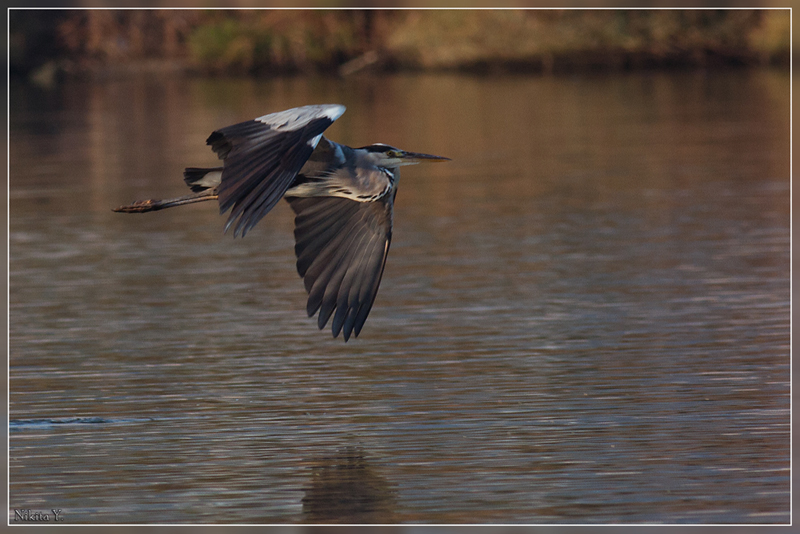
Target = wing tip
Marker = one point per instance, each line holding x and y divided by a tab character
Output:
333	111
299	117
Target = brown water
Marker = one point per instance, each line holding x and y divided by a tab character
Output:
584	316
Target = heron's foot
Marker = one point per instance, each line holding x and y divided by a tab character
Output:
140	206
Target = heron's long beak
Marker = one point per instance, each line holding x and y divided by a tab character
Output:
409	158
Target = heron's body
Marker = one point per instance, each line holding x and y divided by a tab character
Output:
342	197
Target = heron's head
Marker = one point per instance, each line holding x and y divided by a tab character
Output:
389	156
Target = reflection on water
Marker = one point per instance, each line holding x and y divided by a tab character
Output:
345	488
584	316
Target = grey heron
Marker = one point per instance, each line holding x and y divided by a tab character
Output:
342	198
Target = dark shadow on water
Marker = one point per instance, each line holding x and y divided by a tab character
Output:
347	488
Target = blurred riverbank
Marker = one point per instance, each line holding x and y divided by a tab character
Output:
47	45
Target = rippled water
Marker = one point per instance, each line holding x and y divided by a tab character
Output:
584	316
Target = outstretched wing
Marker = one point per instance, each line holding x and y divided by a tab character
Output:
263	156
341	247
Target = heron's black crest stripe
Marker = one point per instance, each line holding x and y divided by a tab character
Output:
378	147
341	247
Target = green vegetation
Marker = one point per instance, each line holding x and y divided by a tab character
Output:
261	41
270	41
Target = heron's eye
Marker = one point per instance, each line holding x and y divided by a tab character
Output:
393	153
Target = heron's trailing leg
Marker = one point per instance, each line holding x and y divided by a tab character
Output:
141	206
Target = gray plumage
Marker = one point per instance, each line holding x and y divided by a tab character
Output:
342	198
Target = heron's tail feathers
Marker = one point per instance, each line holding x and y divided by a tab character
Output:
200	179
141	206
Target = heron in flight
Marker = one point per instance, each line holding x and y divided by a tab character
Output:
342	198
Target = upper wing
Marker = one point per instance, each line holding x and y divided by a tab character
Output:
341	247
262	157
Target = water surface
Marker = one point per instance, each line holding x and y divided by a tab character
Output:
584	316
